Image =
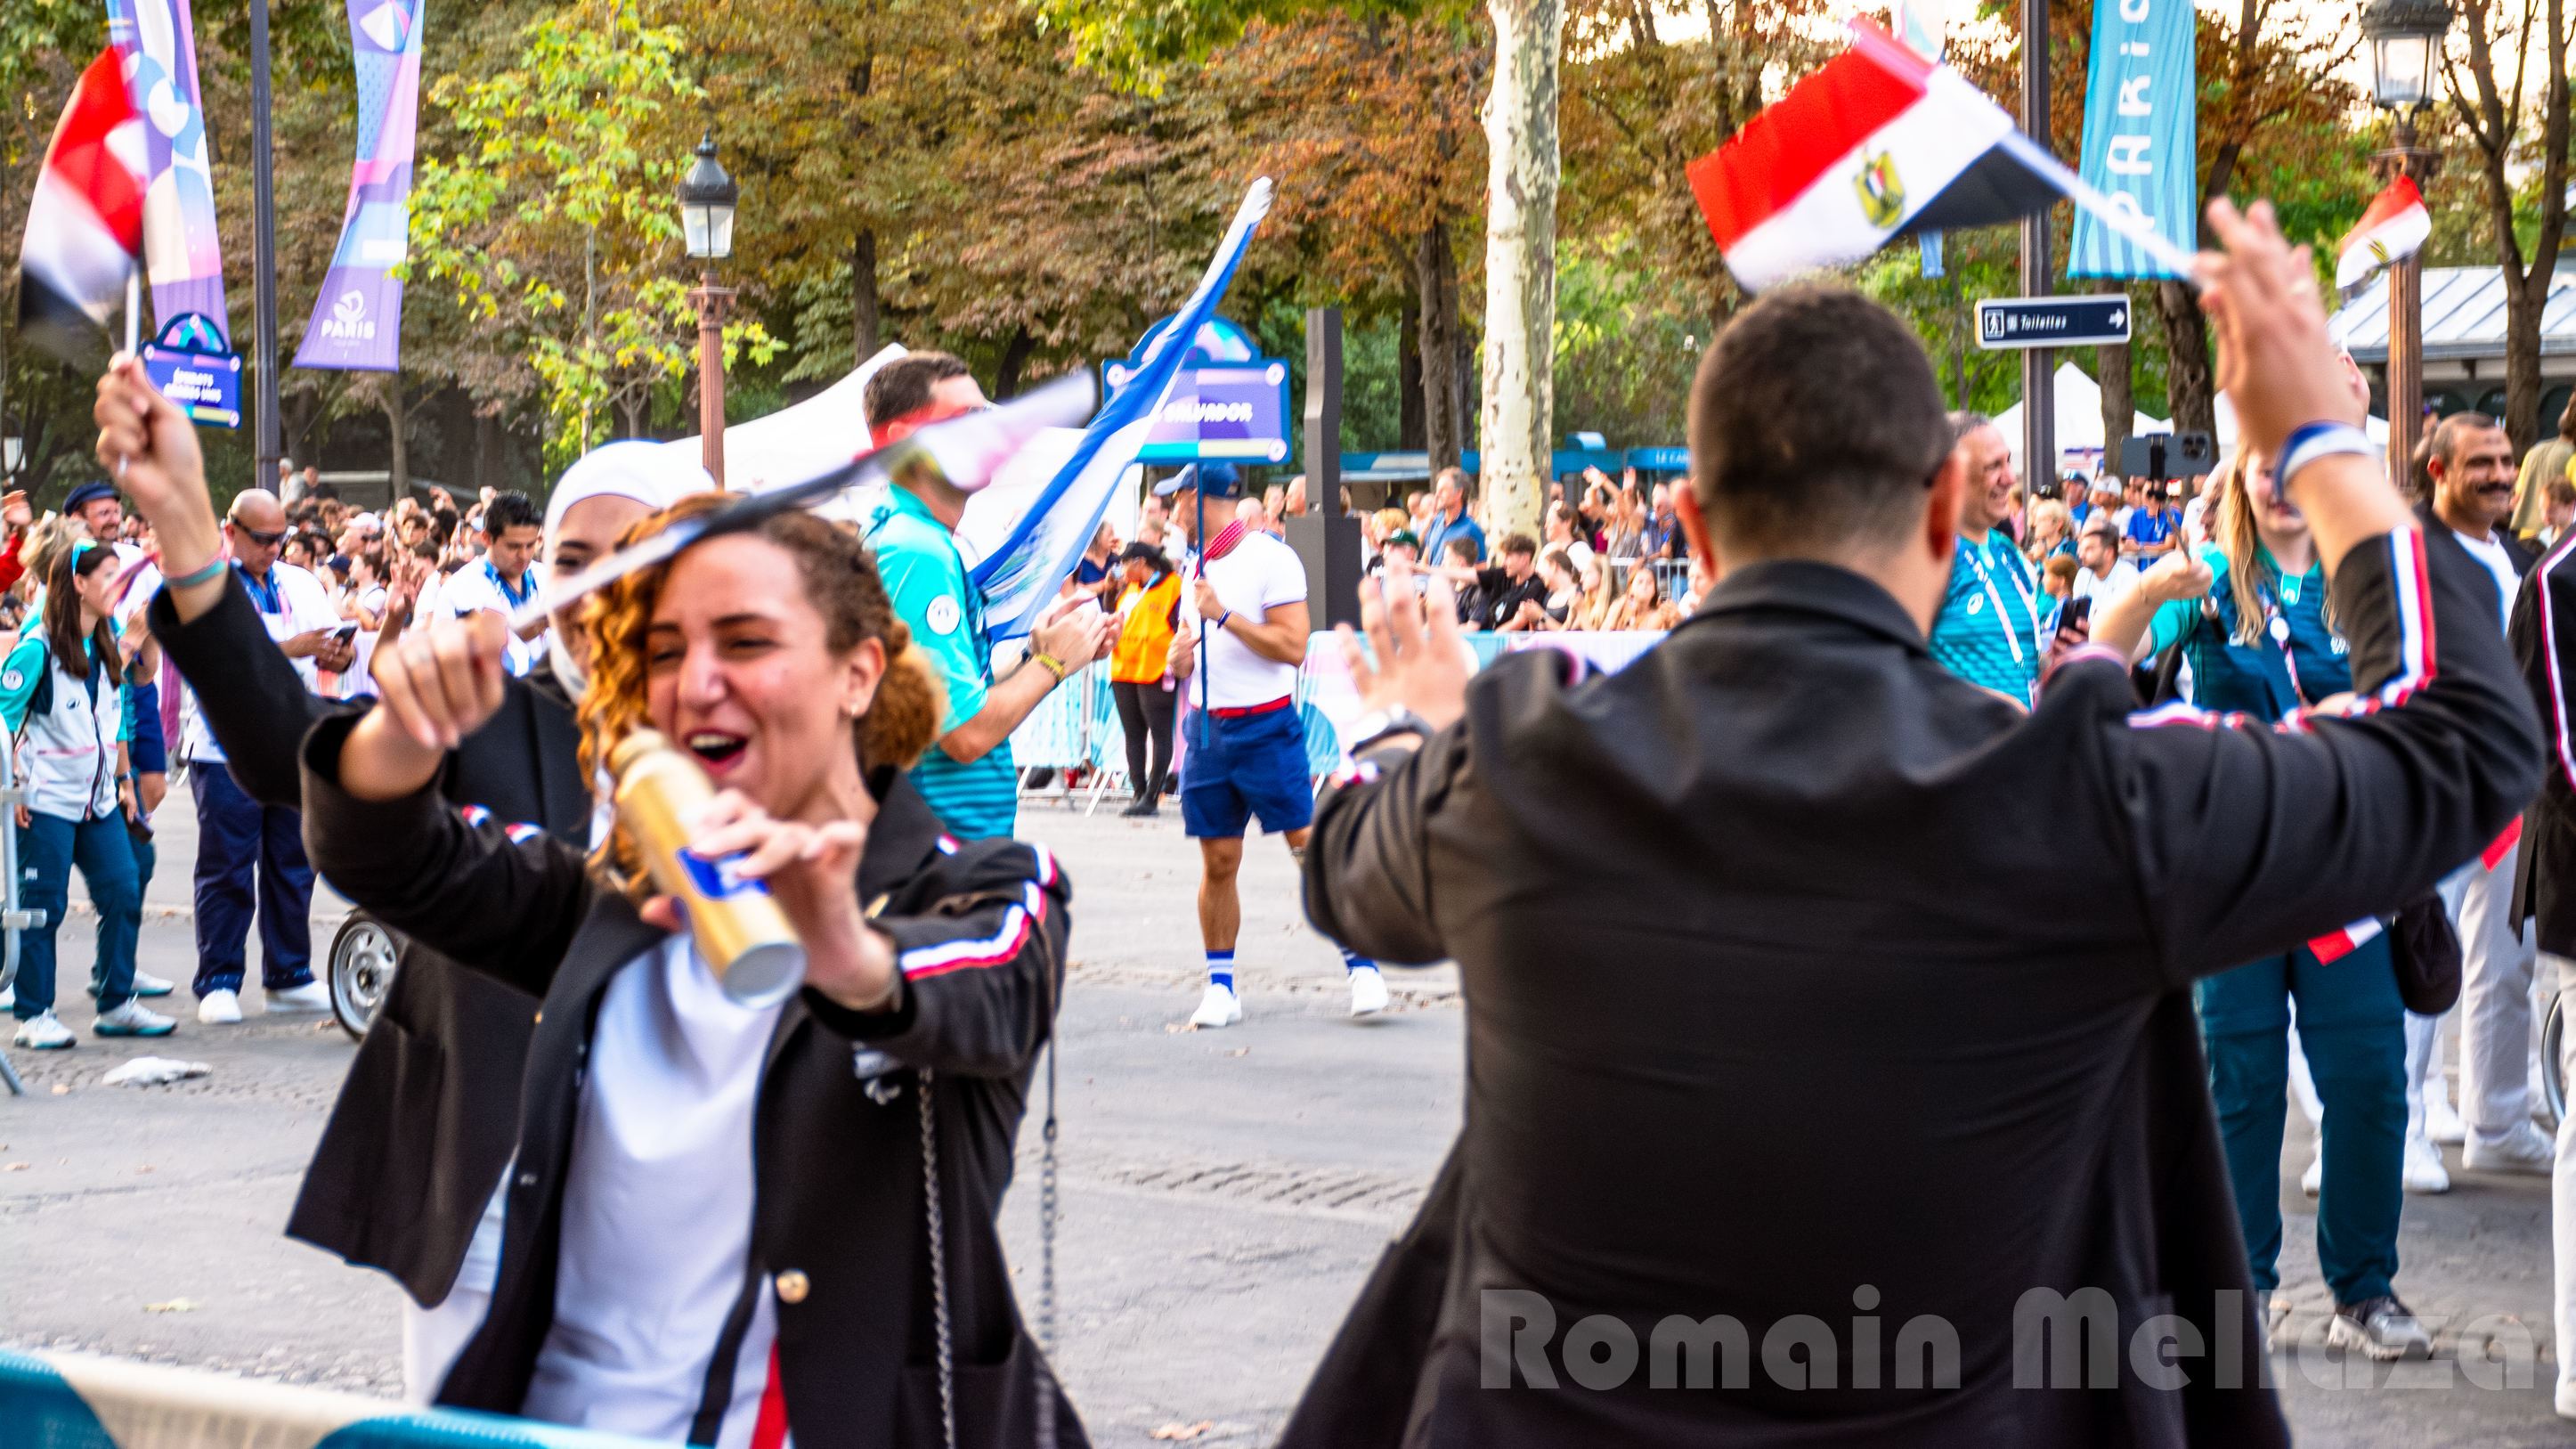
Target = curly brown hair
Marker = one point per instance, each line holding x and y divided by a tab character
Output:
841	583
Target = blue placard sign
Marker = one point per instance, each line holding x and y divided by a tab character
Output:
193	369
1228	403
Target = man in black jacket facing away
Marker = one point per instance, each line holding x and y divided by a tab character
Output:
1770	887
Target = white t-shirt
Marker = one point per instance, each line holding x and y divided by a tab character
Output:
301	604
657	1210
2124	577
2499	563
478	586
1259	575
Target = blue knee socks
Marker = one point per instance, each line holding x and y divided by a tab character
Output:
1221	969
1353	961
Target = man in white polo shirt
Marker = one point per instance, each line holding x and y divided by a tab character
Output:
1243	745
505	577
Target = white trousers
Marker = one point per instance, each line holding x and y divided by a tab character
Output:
432	1338
2498	1042
2562	1190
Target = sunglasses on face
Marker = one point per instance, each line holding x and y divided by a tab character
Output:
264	540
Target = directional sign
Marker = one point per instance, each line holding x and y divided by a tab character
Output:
2011	322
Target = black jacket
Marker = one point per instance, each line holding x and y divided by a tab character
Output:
430	1109
2544	641
1814	987
839	1191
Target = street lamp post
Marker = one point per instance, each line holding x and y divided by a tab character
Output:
2405	38
707	196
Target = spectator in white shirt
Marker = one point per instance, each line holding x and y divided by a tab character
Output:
2101	573
504	578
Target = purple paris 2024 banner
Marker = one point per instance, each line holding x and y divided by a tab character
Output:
158	42
357	321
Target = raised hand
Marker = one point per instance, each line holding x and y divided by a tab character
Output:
1417	661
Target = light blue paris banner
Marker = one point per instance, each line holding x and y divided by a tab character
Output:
2140	141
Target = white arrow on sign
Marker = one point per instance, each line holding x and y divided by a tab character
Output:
2119	318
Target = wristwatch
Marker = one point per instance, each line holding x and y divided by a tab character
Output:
1371	728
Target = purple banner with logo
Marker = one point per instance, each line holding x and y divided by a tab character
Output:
181	253
357	321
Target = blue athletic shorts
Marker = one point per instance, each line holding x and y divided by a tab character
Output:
149	755
1252	765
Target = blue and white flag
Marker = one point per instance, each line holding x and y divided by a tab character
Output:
1020	578
2140	136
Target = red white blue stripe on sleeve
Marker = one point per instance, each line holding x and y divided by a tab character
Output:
1005	943
519	833
2549	648
2335	944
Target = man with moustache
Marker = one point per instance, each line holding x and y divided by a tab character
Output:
2471	503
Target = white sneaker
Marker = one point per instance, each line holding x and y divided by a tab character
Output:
44	1034
1217	1007
312	996
2442	1121
1368	991
133	1019
2567	1398
2424	1171
2523	1150
2313	1180
145	984
219	1008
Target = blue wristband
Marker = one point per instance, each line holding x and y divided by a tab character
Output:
203	575
2318	440
1221	618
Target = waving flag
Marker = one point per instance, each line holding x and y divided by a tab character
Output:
2394	228
1020	578
85	220
1878	143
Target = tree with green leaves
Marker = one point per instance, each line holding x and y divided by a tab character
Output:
552	220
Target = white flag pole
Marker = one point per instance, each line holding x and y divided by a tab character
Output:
134	309
2122	219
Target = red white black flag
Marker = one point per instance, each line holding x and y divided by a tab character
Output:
1877	143
85	221
2394	228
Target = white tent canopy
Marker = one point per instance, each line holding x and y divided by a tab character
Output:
2079	422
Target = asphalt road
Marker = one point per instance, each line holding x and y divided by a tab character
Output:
1224	1195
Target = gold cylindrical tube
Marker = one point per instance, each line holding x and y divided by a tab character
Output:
739	928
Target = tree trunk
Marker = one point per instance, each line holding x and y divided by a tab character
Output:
485	476
1015	361
2190	392
1435	279
1408	378
2119	390
2527	294
866	323
1520	262
397	416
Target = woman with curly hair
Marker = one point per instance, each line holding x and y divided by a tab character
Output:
717	1228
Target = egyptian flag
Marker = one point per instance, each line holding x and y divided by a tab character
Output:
2394	228
1878	142
85	221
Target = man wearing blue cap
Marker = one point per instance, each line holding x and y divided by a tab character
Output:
1244	747
967	777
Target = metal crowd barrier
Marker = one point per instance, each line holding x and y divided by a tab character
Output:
56	1400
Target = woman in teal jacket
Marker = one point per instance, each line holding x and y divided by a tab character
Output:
2264	643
